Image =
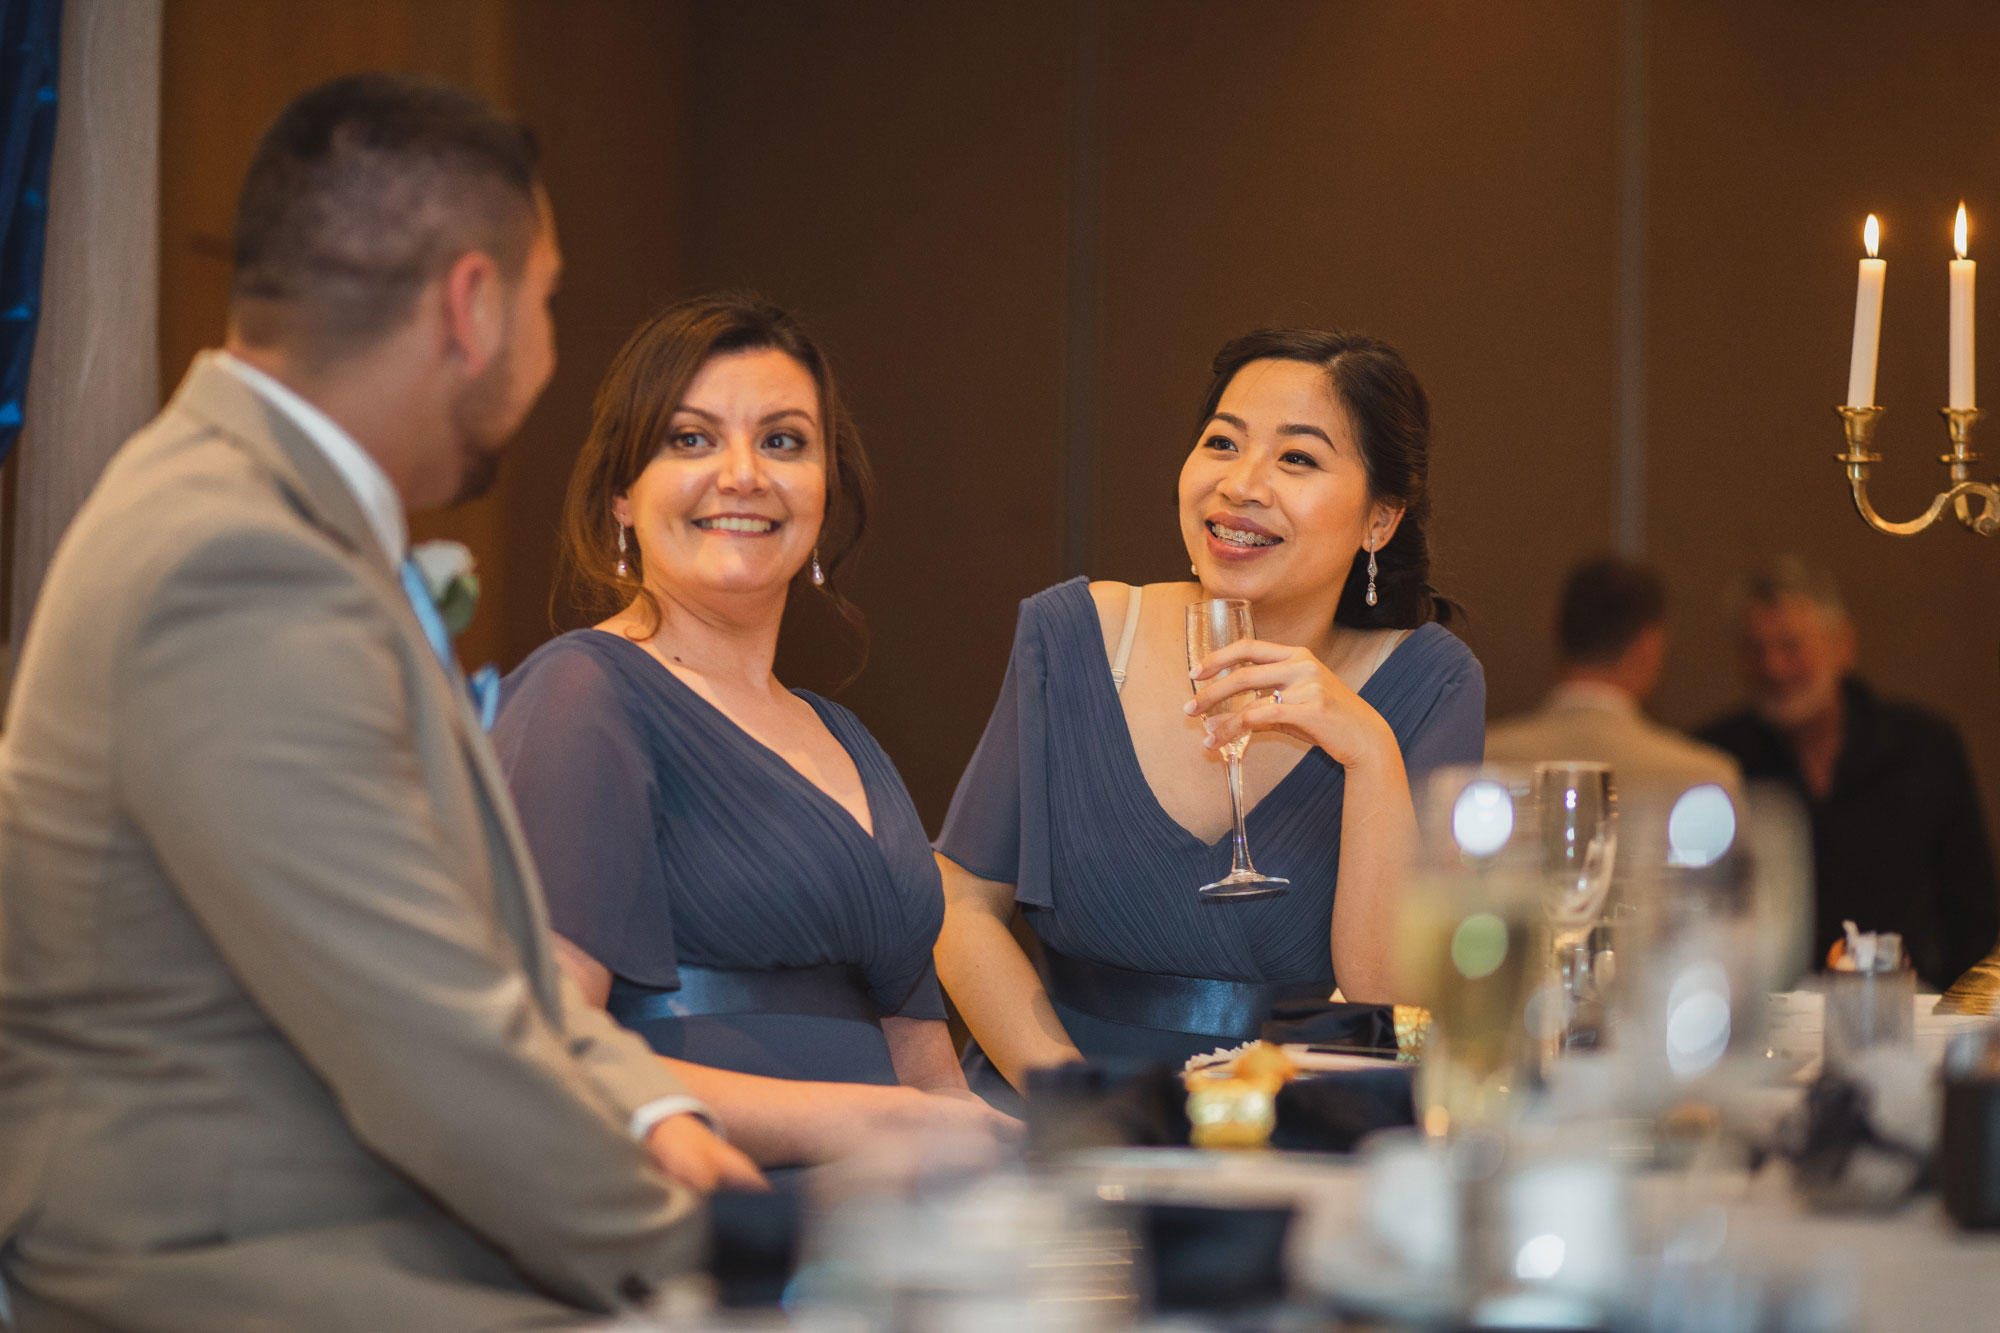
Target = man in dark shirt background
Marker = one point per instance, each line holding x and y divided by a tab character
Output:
1899	842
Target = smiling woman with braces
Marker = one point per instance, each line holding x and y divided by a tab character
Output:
1094	802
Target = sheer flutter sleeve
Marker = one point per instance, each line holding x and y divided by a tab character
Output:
585	787
1453	729
998	824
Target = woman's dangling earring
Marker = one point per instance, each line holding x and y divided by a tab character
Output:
818	574
624	569
1371	573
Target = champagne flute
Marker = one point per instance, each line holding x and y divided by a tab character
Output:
1212	625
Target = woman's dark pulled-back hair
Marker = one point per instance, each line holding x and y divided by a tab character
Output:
1391	418
645	385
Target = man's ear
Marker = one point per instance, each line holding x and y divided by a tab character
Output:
475	300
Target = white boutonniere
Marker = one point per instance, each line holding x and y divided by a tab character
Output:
453	581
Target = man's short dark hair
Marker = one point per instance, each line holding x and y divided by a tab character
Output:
1606	604
362	191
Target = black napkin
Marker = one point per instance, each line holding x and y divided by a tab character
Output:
1333	1112
1324	1023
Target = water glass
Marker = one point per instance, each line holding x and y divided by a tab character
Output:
1866	1010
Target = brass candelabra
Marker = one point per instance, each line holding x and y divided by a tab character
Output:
1959	497
1975	504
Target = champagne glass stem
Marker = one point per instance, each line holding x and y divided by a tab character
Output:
1240	862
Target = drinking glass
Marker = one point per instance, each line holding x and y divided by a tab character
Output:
1212	625
1471	945
1576	812
1579	839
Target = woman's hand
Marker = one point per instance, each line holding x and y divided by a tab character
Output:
1302	698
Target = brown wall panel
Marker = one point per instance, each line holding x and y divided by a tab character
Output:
1439	175
895	174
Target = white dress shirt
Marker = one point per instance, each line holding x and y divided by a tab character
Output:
383	508
372	489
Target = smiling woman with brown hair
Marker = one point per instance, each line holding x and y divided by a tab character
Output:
1096	799
733	868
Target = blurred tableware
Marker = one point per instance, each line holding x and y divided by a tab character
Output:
1718	889
1576	815
1214	625
1472	946
1968	1164
1574	808
1560	1246
1868	1008
997	1252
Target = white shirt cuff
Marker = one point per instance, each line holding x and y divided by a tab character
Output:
653	1112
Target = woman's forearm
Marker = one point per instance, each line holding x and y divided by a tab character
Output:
1378	839
789	1122
996	988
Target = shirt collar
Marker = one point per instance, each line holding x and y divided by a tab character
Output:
1592	694
372	488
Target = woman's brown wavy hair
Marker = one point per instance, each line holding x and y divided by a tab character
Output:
645	385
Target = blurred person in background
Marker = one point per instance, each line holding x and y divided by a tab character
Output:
1899	840
1611	636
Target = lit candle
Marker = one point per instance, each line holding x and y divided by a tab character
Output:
1867	320
1961	319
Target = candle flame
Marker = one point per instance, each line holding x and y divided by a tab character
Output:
1958	230
1871	235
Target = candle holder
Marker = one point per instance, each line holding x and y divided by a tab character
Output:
1978	991
1984	518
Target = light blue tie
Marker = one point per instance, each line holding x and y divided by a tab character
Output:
483	683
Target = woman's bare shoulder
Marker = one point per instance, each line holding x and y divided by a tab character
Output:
1114	599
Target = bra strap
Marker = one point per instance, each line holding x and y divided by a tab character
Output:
1125	639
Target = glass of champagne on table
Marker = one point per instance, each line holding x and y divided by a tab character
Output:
1471	946
1213	625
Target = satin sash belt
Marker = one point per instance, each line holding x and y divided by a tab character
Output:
831	990
1199	1005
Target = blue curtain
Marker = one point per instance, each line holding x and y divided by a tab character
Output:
28	60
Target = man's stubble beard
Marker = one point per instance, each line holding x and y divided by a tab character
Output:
480	420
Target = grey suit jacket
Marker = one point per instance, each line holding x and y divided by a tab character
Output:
282	1041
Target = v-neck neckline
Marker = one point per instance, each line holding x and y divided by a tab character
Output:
772	757
1100	674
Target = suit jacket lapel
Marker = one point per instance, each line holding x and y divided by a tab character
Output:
217	396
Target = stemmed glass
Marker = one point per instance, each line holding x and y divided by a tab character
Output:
1212	625
1578	817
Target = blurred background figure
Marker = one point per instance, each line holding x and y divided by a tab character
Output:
1611	635
1899	842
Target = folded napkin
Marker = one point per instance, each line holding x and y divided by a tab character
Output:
1369	1027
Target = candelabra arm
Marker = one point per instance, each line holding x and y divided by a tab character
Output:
1860	423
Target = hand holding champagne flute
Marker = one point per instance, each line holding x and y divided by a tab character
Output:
1212	625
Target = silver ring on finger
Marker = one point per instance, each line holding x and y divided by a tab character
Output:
1277	696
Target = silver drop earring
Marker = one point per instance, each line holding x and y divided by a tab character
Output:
624	569
1371	574
818	574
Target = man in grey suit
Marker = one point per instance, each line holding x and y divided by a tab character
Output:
282	1042
1611	630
